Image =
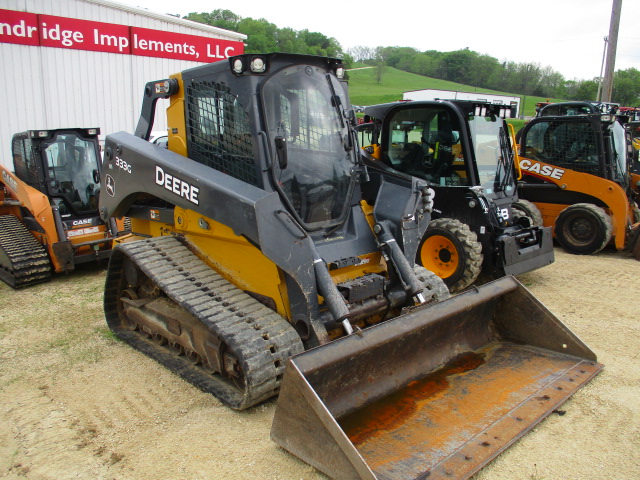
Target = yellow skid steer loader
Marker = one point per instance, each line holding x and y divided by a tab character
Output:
252	270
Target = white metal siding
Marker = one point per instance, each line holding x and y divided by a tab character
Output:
47	87
435	94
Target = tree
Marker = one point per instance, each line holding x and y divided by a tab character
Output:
626	87
586	90
361	54
218	18
423	64
551	83
264	37
463	66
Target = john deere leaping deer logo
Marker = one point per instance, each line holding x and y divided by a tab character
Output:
111	185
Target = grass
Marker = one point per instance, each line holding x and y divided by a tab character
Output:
365	90
64	318
105	333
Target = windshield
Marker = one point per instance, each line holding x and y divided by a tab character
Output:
70	165
305	122
493	154
620	149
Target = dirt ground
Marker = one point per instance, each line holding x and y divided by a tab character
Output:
77	403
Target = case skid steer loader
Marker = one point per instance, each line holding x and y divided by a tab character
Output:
577	165
464	151
49	206
252	270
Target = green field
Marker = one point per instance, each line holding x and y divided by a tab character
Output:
365	90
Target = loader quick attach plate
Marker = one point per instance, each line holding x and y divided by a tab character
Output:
436	393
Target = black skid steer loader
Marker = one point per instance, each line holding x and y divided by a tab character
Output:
252	271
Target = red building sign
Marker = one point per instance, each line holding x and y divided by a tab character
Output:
61	32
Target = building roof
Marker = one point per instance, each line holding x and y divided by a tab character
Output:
169	18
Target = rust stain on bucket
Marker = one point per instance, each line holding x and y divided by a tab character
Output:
391	411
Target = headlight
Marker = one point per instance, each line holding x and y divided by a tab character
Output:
257	65
238	66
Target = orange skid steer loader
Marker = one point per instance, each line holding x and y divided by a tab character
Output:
252	270
577	161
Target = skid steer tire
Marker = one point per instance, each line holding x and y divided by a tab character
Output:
583	229
525	208
435	290
452	251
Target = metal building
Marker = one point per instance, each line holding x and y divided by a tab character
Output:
435	94
84	63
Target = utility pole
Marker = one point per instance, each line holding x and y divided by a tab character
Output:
604	52
607	88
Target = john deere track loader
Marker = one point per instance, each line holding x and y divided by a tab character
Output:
49	206
252	266
463	150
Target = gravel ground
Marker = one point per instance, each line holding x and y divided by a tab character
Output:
77	403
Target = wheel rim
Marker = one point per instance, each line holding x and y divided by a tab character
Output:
440	255
128	294
580	230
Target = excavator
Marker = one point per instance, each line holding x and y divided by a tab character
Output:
463	150
253	270
577	164
49	206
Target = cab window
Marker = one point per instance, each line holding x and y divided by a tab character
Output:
425	143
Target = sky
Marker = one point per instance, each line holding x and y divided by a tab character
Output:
567	35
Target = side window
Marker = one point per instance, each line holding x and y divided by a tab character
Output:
23	161
19	158
218	131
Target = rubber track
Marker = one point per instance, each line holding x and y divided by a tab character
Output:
259	338
23	260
